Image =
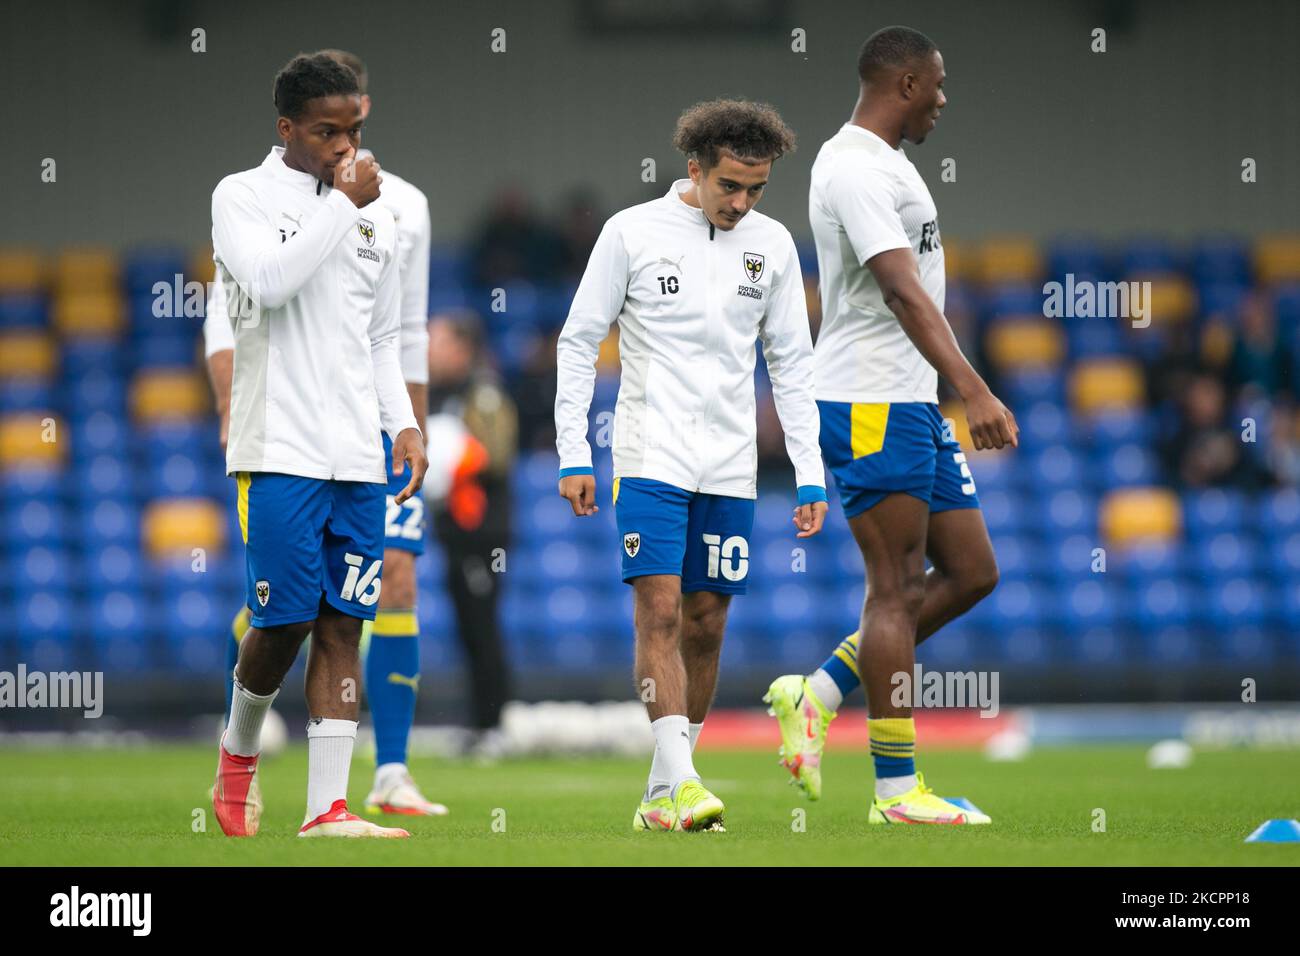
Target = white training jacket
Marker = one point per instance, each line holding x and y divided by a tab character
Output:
410	208
691	301
313	295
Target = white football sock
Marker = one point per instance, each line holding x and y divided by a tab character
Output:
673	749
827	691
329	757
887	787
389	774
243	735
659	785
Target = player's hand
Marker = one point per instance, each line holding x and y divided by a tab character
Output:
408	447
358	179
581	492
808	518
991	423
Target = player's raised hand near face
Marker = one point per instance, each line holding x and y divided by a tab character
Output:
808	518
581	492
408	448
358	179
990	422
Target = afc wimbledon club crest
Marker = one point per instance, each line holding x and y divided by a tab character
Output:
631	544
367	230
263	592
753	266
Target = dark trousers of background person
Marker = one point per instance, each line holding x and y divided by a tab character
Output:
476	591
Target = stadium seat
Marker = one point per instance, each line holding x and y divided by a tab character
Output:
30	439
1130	515
1225	555
147	266
27	395
173	528
1065	511
1277	259
1077	255
163	394
1149	256
1164	602
86	270
23	310
1025	342
1221	259
1125	465
1211	512
1106	384
1008	260
21	270
1172	298
201	267
27	354
92	314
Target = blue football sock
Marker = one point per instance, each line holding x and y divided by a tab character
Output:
842	665
392	678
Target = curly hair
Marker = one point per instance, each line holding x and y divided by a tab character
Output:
308	76
752	132
891	48
352	62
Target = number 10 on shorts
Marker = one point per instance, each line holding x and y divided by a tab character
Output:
730	557
364	586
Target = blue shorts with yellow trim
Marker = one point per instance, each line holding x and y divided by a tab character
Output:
308	540
404	523
664	529
883	448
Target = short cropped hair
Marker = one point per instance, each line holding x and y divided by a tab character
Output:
891	48
752	132
353	63
308	76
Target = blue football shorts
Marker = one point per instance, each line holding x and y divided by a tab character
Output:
883	448
404	523
308	540
703	538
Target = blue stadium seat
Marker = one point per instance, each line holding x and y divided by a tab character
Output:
144	267
42	482
1213	512
1106	429
1235	602
32	522
1052	466
1147	560
97	434
40	568
1083	257
1279	513
107	476
1223	556
79	356
1092	338
1283	557
28	395
1018	558
1148	256
1175	644
1161	602
112	568
1063	512
20	310
1023	388
1100	646
1013	299
1125	465
1085	604
1221	259
1002	512
1222	298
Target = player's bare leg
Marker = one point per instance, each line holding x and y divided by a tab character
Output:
964	571
704	620
394	790
333	692
679	801
265	656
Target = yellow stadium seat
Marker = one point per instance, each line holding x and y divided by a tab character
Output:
1009	260
31	438
1018	342
1109	383
170	393
1217	340
1277	259
1172	298
88	315
21	270
174	527
86	270
202	268
1131	515
27	355
958	262
607	359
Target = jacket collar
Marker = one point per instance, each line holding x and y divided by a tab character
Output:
275	164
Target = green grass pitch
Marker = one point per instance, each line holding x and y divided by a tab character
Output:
136	807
